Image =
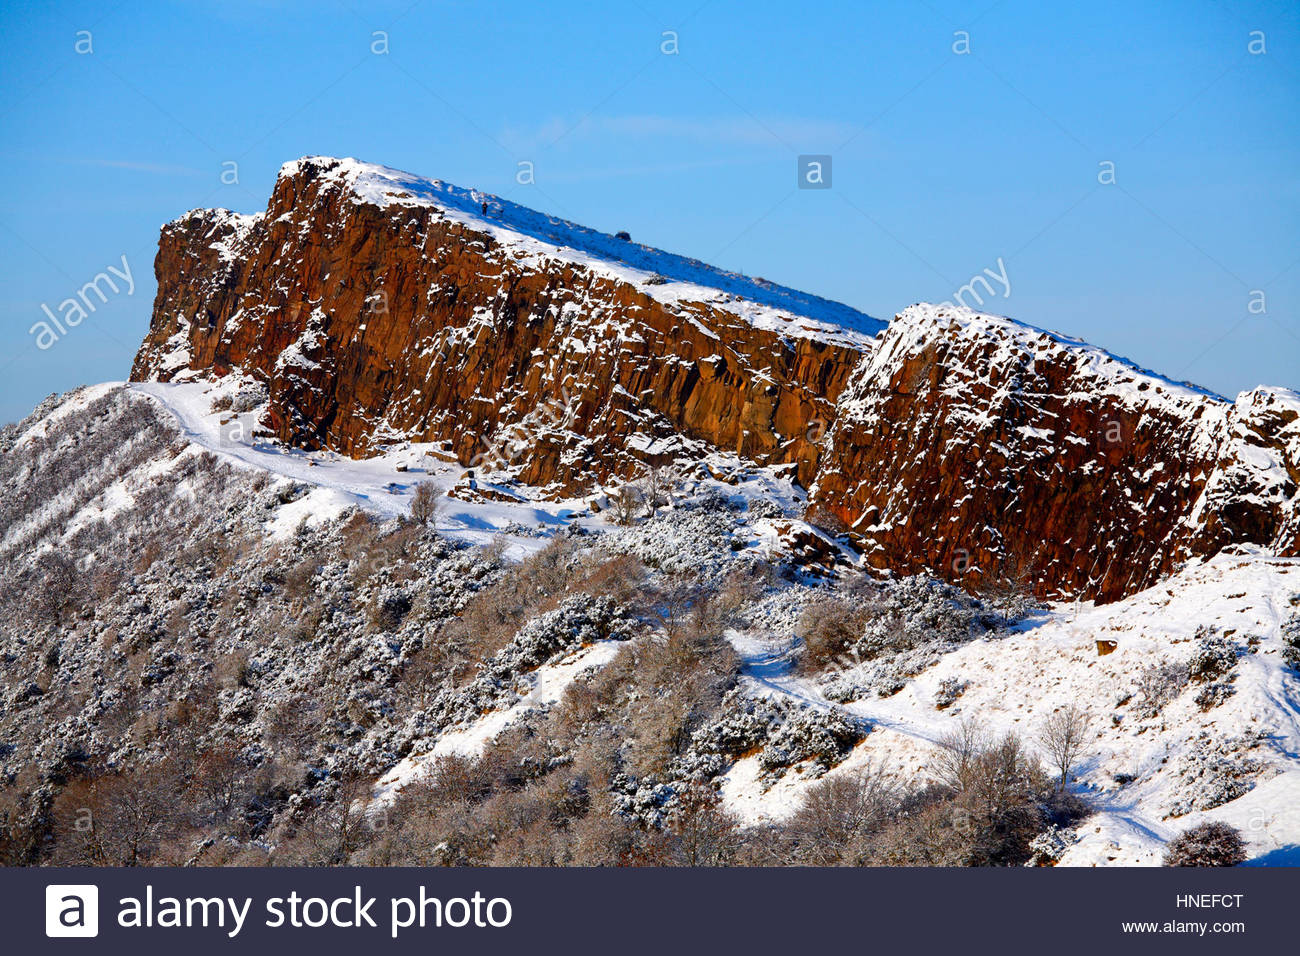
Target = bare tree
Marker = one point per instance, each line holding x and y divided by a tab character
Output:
828	626
338	827
1063	736
660	483
1011	592
840	813
959	752
626	503
120	819
424	505
706	835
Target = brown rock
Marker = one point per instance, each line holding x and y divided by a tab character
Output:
974	448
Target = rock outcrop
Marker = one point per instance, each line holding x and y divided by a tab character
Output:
987	450
376	307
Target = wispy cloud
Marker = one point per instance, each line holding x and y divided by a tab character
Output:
776	132
160	169
656	169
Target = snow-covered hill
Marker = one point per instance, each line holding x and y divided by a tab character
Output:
1152	768
1172	740
376	308
433	529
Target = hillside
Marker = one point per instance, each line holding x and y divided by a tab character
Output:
432	530
375	307
219	610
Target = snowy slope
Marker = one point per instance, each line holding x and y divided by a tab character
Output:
1015	681
1151	773
384	484
549	683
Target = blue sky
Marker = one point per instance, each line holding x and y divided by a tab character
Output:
943	162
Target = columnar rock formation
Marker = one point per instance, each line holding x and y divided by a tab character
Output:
377	306
402	316
983	448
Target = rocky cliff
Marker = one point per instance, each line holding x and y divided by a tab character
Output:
379	307
376	307
986	449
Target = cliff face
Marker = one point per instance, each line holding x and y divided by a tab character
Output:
987	449
394	316
377	306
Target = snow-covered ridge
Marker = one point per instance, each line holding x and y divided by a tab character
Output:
533	237
920	321
664	276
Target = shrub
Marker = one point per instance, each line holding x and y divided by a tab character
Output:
250	396
910	624
1214	773
388	609
1214	656
1212	695
58	588
1009	596
1048	847
950	688
697	542
840	813
232	669
626	503
424	504
1158	684
1291	639
828	626
823	737
704	833
1209	844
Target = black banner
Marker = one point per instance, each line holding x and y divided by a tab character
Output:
645	911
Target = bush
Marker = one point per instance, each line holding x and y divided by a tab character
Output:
840	814
1291	639
1048	847
251	395
1212	695
822	737
950	688
1210	844
1158	684
828	626
910	624
424	505
388	609
1214	656
626	503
